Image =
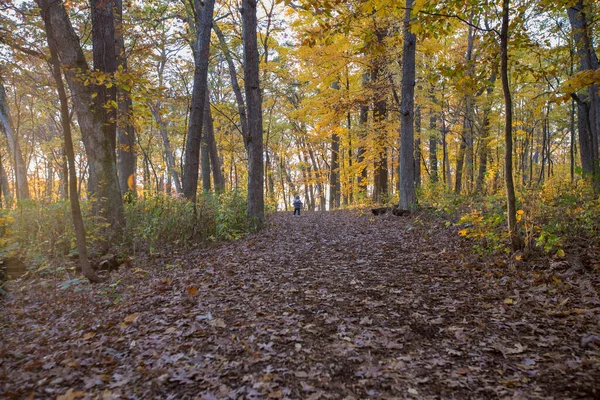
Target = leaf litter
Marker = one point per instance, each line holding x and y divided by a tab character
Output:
337	305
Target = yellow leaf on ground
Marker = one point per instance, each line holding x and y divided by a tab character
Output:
130	318
71	395
192	290
89	335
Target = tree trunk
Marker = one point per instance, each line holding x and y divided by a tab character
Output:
408	196
80	236
363	118
433	140
204	150
572	142
126	155
508	119
589	101
485	133
334	172
4	183
215	161
100	148
22	186
418	146
254	141
379	79
105	61
194	137
169	157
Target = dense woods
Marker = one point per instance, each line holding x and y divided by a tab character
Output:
445	153
342	103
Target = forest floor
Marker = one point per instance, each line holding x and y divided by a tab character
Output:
339	305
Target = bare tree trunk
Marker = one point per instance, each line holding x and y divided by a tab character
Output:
334	172
22	191
105	60
572	142
215	161
80	235
100	148
408	196
4	183
239	99
485	132
379	79
194	137
418	146
508	162
433	141
126	154
589	102
204	150
170	159
363	119
254	141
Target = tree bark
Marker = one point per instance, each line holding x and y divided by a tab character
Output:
215	160
21	184
254	140
4	183
485	132
80	235
334	172
508	119
105	61
204	150
100	148
363	118
589	101
378	79
126	154
194	137
418	146
408	196
433	140
169	157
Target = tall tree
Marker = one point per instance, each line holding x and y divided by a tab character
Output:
100	148
379	81
588	102
254	139
80	236
408	196
334	173
105	62
508	136
126	155
194	137
22	186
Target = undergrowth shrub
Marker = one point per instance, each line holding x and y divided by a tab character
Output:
39	232
164	220
551	218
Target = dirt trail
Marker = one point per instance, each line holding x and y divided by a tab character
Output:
326	305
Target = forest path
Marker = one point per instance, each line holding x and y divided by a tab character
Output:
327	305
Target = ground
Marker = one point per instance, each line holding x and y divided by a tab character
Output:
340	305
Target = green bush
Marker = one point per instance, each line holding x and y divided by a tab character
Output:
38	232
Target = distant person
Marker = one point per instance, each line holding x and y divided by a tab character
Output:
297	205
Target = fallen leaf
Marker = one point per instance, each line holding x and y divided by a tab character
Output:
217	323
71	395
192	290
89	335
130	318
